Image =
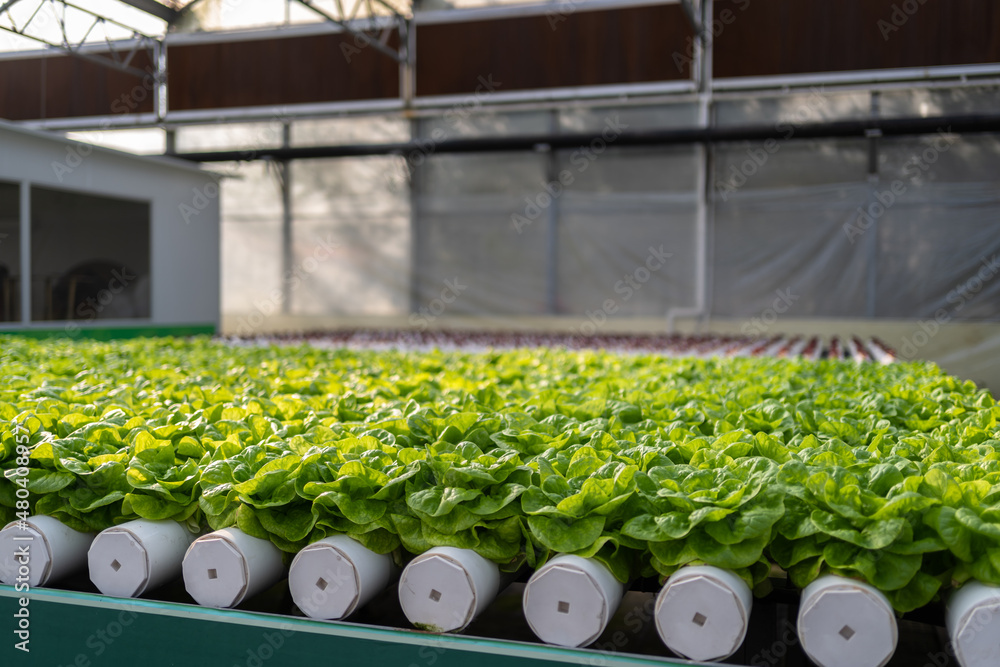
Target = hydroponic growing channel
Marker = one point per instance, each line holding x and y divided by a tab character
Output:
695	507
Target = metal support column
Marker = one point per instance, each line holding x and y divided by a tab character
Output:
25	252
407	65
552	224
873	179
414	180
702	71
160	81
287	251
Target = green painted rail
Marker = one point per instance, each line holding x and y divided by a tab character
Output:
111	333
88	630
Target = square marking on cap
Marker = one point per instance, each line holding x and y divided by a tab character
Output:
699	619
435	595
115	565
321	584
847	632
213	573
563	607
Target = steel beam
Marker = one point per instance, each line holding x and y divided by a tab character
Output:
155	9
961	124
119	59
345	22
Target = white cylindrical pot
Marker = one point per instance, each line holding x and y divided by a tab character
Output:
703	612
569	600
127	560
846	623
223	568
973	620
444	589
335	576
41	550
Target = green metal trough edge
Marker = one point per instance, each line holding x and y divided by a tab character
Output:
88	630
111	333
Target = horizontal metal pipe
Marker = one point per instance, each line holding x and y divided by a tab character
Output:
781	131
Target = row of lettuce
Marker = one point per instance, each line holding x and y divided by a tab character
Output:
889	474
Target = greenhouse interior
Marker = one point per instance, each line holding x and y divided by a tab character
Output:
417	332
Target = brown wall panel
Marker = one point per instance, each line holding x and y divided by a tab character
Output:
769	37
287	70
21	94
580	48
69	87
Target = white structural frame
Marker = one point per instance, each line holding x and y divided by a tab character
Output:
701	88
701	84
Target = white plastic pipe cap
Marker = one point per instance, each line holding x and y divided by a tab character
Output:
846	623
973	621
444	589
703	612
127	560
570	600
41	550
335	576
224	568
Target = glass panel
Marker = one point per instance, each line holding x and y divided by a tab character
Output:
938	227
779	243
231	136
466	120
639	265
659	116
470	257
626	232
812	107
635	169
251	240
335	131
351	237
784	252
940	101
752	165
89	257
